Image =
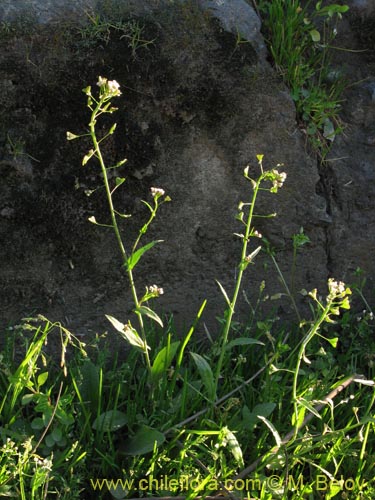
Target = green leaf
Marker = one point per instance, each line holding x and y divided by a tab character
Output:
89	385
110	421
206	375
251	418
42	378
163	360
315	35
233	445
134	258
272	428
57	434
37	424
143	441
146	311
306	404
329	130
222	289
128	333
243	341
28	398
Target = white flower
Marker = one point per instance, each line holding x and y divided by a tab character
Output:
156	290
102	81
157	191
114	87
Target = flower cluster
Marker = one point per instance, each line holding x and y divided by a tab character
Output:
110	87
278	180
157	192
155	290
336	287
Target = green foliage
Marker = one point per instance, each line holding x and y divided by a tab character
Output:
98	29
267	411
300	39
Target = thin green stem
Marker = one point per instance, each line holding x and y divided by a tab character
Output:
301	354
230	310
96	111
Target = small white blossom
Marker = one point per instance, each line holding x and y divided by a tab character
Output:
336	287
102	81
257	234
155	289
114	87
157	191
279	178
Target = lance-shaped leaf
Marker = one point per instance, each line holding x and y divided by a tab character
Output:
110	421
134	258
206	375
146	311
128	333
163	360
242	341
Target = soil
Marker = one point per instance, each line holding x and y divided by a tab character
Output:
183	100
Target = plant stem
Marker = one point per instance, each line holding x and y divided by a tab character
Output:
124	256
310	335
231	308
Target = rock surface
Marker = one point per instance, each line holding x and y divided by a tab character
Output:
197	107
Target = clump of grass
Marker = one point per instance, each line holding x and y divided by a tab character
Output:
98	29
300	39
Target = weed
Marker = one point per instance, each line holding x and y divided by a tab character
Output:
267	412
99	29
299	43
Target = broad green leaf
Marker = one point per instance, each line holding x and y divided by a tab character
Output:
57	434
42	378
50	442
37	424
206	375
243	341
233	445
146	311
251	418
28	398
134	258
163	360
128	333
64	417
143	441
110	421
315	35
